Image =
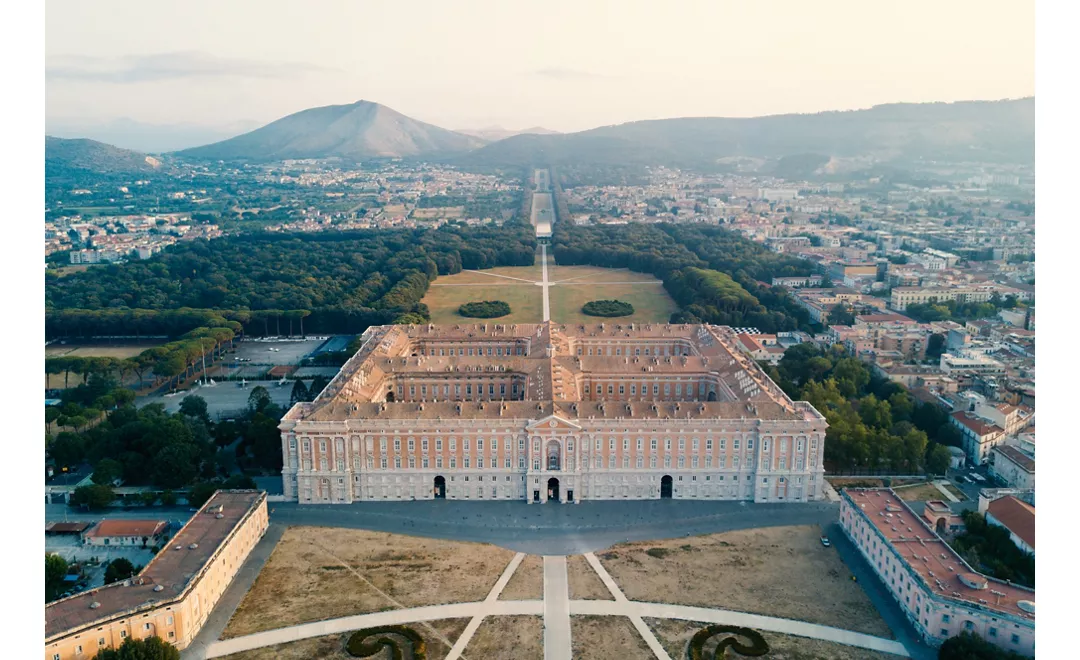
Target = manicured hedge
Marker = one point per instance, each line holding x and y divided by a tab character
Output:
608	308
488	309
758	646
371	641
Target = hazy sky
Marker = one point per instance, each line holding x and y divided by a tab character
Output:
563	65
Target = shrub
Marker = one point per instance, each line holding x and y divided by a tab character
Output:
371	642
488	309
758	646
659	553
608	308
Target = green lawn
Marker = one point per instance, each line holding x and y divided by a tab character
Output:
572	287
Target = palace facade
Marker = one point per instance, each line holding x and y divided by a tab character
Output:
541	412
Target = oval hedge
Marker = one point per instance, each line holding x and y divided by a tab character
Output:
487	309
757	647
608	308
371	641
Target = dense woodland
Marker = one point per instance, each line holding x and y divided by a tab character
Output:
273	284
714	274
874	424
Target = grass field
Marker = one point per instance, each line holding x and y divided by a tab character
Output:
118	350
776	571
438	212
527	583
524	297
571	287
674	635
919	493
602	637
436	634
517	637
318	573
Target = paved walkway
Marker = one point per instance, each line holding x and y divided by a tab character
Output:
556	609
940	485
620	599
544	283
490	601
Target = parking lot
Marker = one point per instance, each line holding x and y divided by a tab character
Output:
224	397
274	351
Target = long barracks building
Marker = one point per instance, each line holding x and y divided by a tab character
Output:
552	412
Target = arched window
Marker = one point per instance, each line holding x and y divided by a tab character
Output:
553	455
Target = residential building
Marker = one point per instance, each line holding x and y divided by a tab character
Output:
1013	466
940	594
546	412
979	435
173	596
1018	517
903	296
144	533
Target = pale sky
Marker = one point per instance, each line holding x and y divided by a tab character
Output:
562	65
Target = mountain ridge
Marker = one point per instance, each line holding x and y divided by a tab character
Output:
65	154
354	131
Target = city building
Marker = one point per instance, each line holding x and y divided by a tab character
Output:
1018	517
173	596
902	296
144	533
1013	466
552	412
979	435
940	594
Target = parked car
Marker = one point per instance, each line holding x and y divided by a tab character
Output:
825	541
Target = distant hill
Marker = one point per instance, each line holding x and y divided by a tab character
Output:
495	133
149	138
64	155
989	131
356	131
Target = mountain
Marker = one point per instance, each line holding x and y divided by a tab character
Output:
64	155
495	133
989	131
360	130
149	138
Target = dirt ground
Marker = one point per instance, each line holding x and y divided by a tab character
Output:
318	573
674	635
332	647
585	584
517	637
527	583
776	571
606	637
919	493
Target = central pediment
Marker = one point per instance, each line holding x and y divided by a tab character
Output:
553	423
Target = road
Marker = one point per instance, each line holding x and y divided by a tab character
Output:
554	529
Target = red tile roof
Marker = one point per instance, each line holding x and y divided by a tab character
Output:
127	528
1026	462
1015	515
976	424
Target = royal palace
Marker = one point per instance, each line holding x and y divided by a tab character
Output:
543	412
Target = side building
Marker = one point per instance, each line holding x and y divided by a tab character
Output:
548	412
173	596
939	592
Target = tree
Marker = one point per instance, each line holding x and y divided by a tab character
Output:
56	567
969	646
259	399
239	482
168	498
937	460
95	496
841	314
935	345
195	406
318	384
107	471
52	413
119	569
201	491
148	648
299	392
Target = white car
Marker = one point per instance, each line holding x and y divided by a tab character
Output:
825	541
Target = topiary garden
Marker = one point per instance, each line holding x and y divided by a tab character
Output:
404	643
608	308
487	309
733	637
